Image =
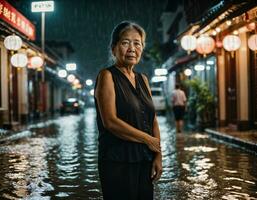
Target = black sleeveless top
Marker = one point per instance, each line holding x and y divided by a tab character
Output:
135	107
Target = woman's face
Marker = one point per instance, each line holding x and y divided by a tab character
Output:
129	49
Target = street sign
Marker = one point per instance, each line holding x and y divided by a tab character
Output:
42	6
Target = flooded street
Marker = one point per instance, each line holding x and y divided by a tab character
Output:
58	160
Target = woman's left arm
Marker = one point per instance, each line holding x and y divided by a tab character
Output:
157	162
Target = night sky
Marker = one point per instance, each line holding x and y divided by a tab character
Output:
87	25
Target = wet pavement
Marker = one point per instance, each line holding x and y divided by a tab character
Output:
58	160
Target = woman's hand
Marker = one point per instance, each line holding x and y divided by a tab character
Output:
154	144
157	167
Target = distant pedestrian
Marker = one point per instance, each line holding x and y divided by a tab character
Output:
179	105
129	152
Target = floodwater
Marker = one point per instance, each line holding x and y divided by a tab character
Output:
58	160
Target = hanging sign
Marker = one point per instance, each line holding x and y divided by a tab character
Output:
13	17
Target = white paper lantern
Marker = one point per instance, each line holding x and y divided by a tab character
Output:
231	42
205	44
13	42
19	60
188	42
252	42
36	62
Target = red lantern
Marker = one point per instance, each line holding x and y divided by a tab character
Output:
35	62
205	45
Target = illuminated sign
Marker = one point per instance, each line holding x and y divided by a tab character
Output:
42	6
11	16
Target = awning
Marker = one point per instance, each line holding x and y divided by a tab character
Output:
221	12
180	61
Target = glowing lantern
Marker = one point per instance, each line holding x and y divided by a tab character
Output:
62	73
231	42
12	42
188	42
252	42
19	60
188	72
76	81
205	45
71	78
36	62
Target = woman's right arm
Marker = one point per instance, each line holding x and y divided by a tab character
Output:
105	96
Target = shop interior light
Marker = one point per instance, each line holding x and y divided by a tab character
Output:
188	72
208	67
199	67
156	79
160	72
210	62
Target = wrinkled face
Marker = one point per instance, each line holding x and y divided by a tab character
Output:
129	49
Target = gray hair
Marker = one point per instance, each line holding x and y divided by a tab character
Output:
119	29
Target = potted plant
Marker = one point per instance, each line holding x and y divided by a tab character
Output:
201	103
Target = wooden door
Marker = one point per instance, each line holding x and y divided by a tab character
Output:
253	89
231	89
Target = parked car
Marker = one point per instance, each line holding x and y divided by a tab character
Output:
158	99
72	105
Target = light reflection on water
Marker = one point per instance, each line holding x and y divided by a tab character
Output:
60	162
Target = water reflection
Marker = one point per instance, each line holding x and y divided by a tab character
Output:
59	161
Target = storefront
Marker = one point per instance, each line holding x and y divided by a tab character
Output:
234	62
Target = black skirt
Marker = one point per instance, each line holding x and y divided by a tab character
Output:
126	181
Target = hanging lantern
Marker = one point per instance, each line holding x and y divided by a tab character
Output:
188	42
252	42
205	45
231	42
13	42
35	62
19	60
71	78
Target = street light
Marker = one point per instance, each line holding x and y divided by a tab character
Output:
71	66
42	6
